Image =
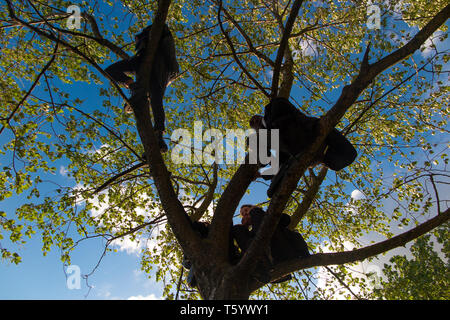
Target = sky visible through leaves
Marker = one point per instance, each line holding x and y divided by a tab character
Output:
119	274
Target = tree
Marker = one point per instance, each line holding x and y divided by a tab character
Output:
425	276
373	84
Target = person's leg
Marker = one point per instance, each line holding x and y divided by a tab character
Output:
291	245
233	251
118	71
158	84
243	238
156	100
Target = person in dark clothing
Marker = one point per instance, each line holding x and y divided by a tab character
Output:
297	131
285	244
164	69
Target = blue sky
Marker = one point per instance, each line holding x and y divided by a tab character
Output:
38	277
117	277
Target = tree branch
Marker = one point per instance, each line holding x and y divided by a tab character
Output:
236	58
338	258
283	45
98	37
51	37
117	176
288	75
117	136
228	202
35	82
308	199
198	213
252	49
348	96
176	215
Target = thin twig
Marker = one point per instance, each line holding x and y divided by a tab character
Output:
36	81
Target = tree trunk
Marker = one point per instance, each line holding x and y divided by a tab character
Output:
227	285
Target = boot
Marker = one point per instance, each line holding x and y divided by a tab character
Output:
127	108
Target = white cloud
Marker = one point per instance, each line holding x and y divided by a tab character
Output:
357	195
151	296
63	171
307	47
135	246
431	44
334	289
104	148
127	243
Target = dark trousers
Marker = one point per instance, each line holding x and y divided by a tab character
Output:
338	153
159	79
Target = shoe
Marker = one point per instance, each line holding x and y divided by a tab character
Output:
127	108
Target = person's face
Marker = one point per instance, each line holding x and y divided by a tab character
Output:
246	218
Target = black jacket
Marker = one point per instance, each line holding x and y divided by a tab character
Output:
166	49
297	131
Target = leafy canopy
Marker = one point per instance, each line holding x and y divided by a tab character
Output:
68	135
